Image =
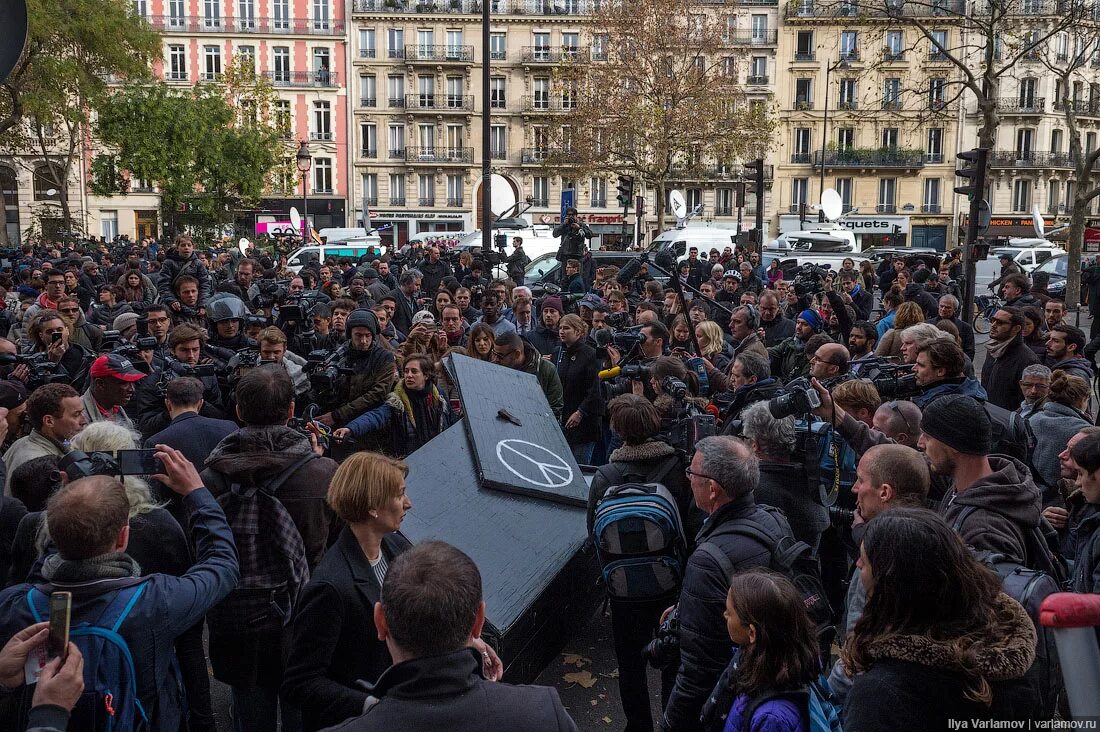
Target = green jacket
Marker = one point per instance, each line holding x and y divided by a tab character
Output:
547	375
789	360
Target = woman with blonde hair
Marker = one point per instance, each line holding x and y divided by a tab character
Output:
908	314
712	344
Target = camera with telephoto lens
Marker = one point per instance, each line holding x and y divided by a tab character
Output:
840	516
267	293
42	369
298	308
324	370
801	398
637	371
895	381
664	650
810	279
674	387
627	340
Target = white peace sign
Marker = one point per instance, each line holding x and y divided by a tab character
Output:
540	466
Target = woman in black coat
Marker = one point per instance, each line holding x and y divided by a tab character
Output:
578	368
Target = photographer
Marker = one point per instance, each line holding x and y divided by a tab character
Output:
517	261
273	349
940	369
366	371
227	315
55	414
49	334
788	358
574	236
242	279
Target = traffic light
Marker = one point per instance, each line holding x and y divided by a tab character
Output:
626	190
639	206
756	181
973	169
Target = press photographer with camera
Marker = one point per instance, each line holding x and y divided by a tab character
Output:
360	375
49	336
574	236
788	358
55	414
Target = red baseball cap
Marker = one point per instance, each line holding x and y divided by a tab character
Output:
116	367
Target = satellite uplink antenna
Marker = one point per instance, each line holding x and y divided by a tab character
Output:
678	204
13	16
501	196
243	245
1037	222
831	204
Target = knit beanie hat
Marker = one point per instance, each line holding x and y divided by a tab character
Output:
554	303
960	422
813	319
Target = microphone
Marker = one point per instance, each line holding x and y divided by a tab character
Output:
610	373
629	270
712	409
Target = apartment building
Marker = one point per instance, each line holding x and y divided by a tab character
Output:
866	110
415	84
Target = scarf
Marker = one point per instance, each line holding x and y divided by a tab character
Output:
106	566
997	349
424	408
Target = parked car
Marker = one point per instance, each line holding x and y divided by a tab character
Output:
1056	267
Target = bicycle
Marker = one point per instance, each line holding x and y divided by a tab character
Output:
987	306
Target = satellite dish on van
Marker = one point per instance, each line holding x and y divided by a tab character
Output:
243	245
501	196
1037	222
295	219
679	205
831	204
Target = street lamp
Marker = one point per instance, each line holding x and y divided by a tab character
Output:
304	161
842	63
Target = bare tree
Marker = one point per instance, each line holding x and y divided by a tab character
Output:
657	96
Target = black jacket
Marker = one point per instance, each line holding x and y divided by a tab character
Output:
863	302
403	314
1001	376
966	333
573	240
433	275
449	693
333	642
915	292
196	437
176	267
705	648
578	369
777	330
544	340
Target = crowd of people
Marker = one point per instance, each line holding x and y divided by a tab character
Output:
844	485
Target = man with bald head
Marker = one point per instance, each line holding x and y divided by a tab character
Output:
900	421
829	361
89	525
887	476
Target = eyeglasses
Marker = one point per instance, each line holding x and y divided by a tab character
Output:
498	356
894	408
998	321
691	473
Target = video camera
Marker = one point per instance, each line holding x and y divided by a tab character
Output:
893	380
800	398
810	279
76	464
42	369
267	293
324	372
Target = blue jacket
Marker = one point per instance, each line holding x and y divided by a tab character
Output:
167	607
967	387
774	715
885	324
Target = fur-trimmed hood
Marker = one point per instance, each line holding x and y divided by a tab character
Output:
995	654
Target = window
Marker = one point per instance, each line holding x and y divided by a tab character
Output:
456	141
455	191
368	90
887	190
397	189
367	48
177	63
321	64
694	198
759	70
426	138
1053	196
249	53
212	60
498	46
320	14
891	94
370	189
893	45
397	142
9	188
368	133
322	121
498	142
800	192
804	46
849	45
890	137
322	175
176	14
1021	195
599	47
803	94
140	8
568	96
1024	145
281	68
425	39
541	46
395	90
246	14
454	45
426	186
542	93
211	13
540	186
455	99
1027	93
802	144
541	136
845	139
45	180
284	122
931	195
847	94
280	14
937	93
1056	141
570	45
497	93
395	42
759	28
844	188
723	201
935	53
598	188
108	225
934	147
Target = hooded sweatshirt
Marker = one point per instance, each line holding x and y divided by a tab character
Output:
1008	505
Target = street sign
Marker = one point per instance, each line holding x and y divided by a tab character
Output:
568	196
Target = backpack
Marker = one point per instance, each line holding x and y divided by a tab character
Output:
1030	587
110	698
639	535
272	558
793	559
819	714
1040	544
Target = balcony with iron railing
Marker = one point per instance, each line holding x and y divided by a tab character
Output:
847	105
803	55
398	154
801	158
933	158
397	200
322	79
368	102
454	202
1030	159
429	201
1083	107
850	55
723	210
321	136
439	155
395	102
757	80
497	153
175	76
540	155
1018	105
551	54
930	208
368	53
370	152
370	200
756	37
890	56
713	171
472	7
879	157
187	24
443	103
886	208
445	54
554	104
809	9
